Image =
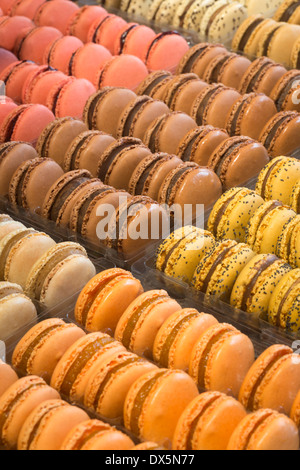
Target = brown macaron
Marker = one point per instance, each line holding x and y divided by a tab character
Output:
120	159
166	132
261	76
12	155
228	69
281	135
249	115
103	109
154	83
286	92
139	115
200	143
85	150
198	57
150	174
238	160
175	84
213	104
32	181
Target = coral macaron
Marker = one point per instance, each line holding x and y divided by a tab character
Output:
57	14
165	51
105	298
8	377
122	71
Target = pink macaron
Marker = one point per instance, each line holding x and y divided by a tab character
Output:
25	123
11	28
88	60
6	58
126	71
134	39
69	97
14	76
59	52
106	32
83	19
32	46
25	7
165	51
5	5
56	13
37	90
6	106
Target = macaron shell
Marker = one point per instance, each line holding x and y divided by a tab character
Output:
58	53
16	311
55	14
66	105
123	71
287	139
38	88
82	20
88	60
36	41
7	227
166	52
216	112
286	35
8	377
25	7
153	185
284	306
11	28
142	121
109	440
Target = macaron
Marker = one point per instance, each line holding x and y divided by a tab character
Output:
7	105
198	57
139	324
40	349
106	31
228	69
213	104
118	162
142	410
150	173
177	337
82	20
25	7
265	430
286	92
278	178
12	155
184	95
238	160
200	143
167	131
23	254
49	424
250	114
56	14
49	279
284	303
281	41
103	109
85	151
7	243
124	235
280	136
287	246
231	214
107	389
25	123
96	435
33	43
139	115
176	83
147	446
184	187
277	368
37	89
122	71
55	138
7	58
256	283
105	298
31	182
295	59
216	351
61	190
287	12
134	7
133	39
221	21
8	377
154	84
268	10
179	255
295	411
87	60
11	28
15	76
165	51
58	54
218	271
261	77
294	198
16	311
80	362
7	226
246	38
18	402
266	225
61	97
208	422
162	11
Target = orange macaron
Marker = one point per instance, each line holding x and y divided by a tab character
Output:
7	377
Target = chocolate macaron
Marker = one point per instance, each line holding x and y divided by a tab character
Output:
281	134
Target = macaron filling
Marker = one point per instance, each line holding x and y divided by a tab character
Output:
237	114
266	178
219	259
140	400
63	194
208	96
153	137
221	212
110	374
86	204
157	81
173	249
269	209
275	128
105	165
35	429
81	361
289	12
157	39
97	30
249	291
213	17
268	40
8	246
132	114
140	184
146	306
12	123
177	176
193	58
89	434
76	152
284	300
165	351
248	33
93	105
285	92
124	37
215	72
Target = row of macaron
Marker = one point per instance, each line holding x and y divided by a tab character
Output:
90	24
41	420
214	20
41	268
258	36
